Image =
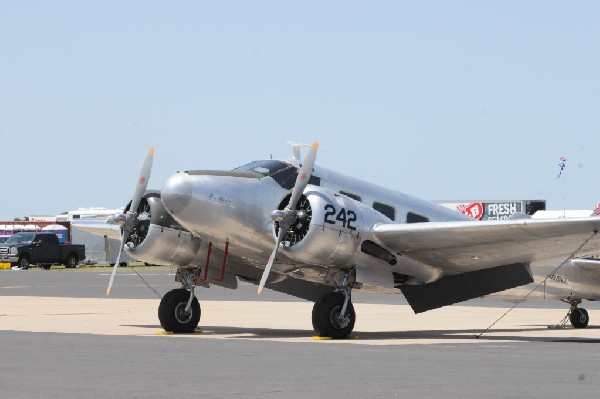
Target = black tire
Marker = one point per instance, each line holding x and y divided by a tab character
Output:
579	318
71	262
325	316
46	267
23	262
171	312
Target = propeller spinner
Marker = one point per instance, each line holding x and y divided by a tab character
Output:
288	216
131	219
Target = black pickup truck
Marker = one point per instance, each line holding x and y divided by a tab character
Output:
23	249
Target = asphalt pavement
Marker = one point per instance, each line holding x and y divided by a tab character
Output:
61	337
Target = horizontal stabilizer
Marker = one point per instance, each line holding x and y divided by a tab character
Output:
461	287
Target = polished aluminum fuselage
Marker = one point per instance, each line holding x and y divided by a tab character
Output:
234	209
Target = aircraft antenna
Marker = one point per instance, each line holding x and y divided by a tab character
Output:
541	282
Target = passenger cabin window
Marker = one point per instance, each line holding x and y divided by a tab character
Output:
415	218
353	196
385	210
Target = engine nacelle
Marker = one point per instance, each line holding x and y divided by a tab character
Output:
328	229
158	238
166	246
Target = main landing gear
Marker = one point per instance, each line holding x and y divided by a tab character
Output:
333	315
578	316
179	310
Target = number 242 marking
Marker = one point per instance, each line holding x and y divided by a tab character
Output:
332	216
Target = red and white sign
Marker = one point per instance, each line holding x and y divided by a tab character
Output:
474	209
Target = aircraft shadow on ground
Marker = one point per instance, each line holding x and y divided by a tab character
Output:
499	335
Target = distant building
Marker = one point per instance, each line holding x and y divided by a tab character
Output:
494	209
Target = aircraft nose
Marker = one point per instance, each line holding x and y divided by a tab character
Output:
177	192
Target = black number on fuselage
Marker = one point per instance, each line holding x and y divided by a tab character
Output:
351	218
330	212
346	217
341	217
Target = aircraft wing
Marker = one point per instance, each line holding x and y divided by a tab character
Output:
459	247
479	258
101	229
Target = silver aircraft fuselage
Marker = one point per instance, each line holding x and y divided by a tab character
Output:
235	207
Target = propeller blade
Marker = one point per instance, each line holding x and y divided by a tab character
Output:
128	220
284	217
303	175
114	270
140	189
265	274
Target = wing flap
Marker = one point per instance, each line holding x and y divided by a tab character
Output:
458	288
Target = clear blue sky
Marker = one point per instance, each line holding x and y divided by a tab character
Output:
439	99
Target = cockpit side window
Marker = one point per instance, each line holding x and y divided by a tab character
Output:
286	177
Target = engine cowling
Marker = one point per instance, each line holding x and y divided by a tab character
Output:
158	238
327	231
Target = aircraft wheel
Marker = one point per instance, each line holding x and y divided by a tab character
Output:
579	318
326	316
172	314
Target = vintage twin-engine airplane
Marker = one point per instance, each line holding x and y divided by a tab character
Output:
316	234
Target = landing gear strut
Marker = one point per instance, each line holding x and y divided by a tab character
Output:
577	316
179	310
333	315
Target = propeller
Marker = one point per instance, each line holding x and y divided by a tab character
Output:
130	219
287	217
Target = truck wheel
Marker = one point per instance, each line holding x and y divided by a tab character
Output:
23	262
46	267
71	261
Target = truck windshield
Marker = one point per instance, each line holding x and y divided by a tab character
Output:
20	238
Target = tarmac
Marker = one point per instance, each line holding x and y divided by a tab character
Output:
60	336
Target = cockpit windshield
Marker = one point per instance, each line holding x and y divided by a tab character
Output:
283	173
265	168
